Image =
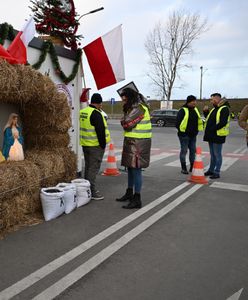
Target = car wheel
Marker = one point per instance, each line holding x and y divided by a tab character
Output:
160	123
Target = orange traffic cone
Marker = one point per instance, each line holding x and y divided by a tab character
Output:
197	175
111	169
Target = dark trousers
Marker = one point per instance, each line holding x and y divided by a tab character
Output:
216	157
93	158
135	179
186	143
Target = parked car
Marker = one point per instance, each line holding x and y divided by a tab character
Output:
164	117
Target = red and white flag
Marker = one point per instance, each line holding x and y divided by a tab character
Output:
5	55
105	57
18	48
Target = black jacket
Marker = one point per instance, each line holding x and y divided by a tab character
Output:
96	120
210	134
192	126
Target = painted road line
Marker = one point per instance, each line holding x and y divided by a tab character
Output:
154	157
160	156
176	163
71	278
227	162
234	154
34	277
230	186
236	296
245	150
239	150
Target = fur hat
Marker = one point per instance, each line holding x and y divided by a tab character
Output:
96	98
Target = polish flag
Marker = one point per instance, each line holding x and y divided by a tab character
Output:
18	48
5	55
105	57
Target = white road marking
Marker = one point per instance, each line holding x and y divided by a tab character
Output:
245	150
177	163
230	186
236	295
235	154
160	156
227	162
67	281
239	150
31	279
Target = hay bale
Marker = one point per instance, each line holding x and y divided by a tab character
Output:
46	119
17	177
8	81
47	141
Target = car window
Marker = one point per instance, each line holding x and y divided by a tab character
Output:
169	113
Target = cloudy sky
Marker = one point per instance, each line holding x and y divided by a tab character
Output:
222	51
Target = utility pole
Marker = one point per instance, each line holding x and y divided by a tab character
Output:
201	68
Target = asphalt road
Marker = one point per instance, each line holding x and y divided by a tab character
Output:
188	242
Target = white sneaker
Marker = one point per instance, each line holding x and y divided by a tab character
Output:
97	196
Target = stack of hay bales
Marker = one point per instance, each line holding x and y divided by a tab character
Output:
46	118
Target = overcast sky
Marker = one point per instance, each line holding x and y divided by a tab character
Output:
222	51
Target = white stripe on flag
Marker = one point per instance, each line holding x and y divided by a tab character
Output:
112	42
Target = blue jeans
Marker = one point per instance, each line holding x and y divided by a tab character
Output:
216	157
186	143
135	179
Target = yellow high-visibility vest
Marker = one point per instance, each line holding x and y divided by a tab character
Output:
185	120
143	130
88	136
224	131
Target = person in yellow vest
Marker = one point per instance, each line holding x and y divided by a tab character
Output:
188	123
94	135
243	121
216	131
137	128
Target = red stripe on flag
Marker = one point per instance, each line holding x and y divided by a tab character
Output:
99	64
5	55
18	50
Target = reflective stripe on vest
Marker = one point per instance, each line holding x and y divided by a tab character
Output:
88	136
185	120
143	130
224	131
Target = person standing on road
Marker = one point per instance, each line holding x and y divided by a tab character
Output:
136	145
94	135
188	123
216	130
243	121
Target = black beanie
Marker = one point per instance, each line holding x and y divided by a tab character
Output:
190	98
96	98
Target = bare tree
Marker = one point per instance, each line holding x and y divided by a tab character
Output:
167	44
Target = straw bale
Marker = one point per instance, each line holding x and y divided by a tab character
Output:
46	118
47	141
18	176
8	81
20	210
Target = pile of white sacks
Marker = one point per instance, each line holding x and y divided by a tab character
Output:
64	198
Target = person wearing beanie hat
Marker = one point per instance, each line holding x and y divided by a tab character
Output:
188	123
96	99
94	135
